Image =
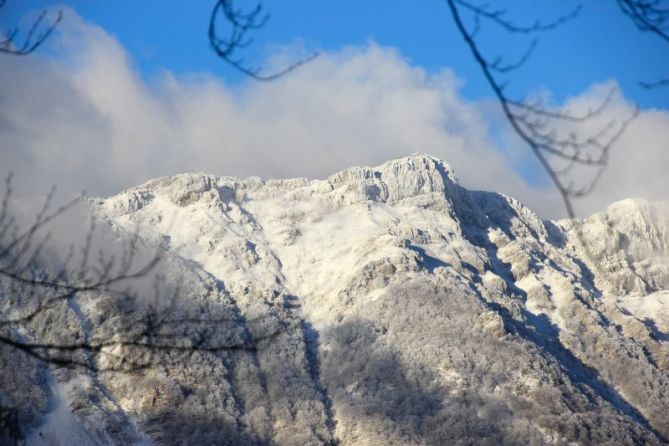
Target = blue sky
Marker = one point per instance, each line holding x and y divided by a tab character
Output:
599	45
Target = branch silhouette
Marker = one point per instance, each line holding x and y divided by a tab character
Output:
13	44
649	16
241	23
32	287
538	125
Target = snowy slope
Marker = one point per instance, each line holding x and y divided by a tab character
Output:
414	311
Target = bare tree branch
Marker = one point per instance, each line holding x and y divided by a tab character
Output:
649	16
656	84
498	16
537	125
498	66
37	34
135	332
241	23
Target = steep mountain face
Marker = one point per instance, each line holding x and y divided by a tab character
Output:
387	305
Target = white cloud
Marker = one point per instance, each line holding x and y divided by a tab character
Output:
87	120
638	164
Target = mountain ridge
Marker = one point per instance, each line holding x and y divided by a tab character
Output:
409	310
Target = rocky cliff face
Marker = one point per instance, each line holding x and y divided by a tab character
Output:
387	305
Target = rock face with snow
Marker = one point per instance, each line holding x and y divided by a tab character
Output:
387	305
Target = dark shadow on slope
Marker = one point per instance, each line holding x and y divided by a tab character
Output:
483	210
24	393
291	302
500	214
656	333
457	319
369	382
228	196
232	361
587	277
301	380
545	335
193	396
388	396
198	397
555	235
430	263
539	330
176	426
311	345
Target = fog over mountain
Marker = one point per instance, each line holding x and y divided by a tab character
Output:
387	305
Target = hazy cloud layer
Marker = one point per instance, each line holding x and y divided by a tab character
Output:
87	120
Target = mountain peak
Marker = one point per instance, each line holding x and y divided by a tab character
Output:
399	179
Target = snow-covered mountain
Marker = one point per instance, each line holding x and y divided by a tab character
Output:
388	305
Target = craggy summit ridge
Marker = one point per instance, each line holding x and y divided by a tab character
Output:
391	182
416	312
397	180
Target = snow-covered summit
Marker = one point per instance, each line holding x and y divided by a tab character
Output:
395	180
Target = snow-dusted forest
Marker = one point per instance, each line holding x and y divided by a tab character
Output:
384	305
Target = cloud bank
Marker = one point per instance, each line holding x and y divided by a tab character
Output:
87	120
